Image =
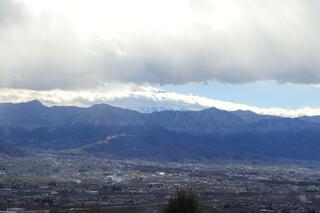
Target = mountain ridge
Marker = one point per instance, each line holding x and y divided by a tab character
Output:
112	131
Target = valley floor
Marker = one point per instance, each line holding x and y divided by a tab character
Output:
82	183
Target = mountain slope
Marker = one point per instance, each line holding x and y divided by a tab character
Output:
7	149
204	121
172	135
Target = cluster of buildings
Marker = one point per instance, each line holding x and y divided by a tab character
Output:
71	182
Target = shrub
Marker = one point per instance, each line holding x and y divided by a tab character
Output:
184	201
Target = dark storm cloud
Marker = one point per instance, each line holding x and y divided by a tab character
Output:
236	41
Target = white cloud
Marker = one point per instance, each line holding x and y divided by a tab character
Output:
79	44
141	98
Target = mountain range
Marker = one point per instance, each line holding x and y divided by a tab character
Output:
105	130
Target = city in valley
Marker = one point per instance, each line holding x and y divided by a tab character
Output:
59	182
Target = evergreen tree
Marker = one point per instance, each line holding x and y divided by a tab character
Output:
184	201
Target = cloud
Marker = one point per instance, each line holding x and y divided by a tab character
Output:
11	12
78	44
140	98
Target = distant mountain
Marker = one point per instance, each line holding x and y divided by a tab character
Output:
29	115
197	122
313	119
150	104
249	116
106	130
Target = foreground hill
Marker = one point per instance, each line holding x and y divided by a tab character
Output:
167	135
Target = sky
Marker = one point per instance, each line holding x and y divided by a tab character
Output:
232	54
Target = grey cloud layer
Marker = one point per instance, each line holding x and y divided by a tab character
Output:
237	41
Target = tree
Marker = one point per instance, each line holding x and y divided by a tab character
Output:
184	201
